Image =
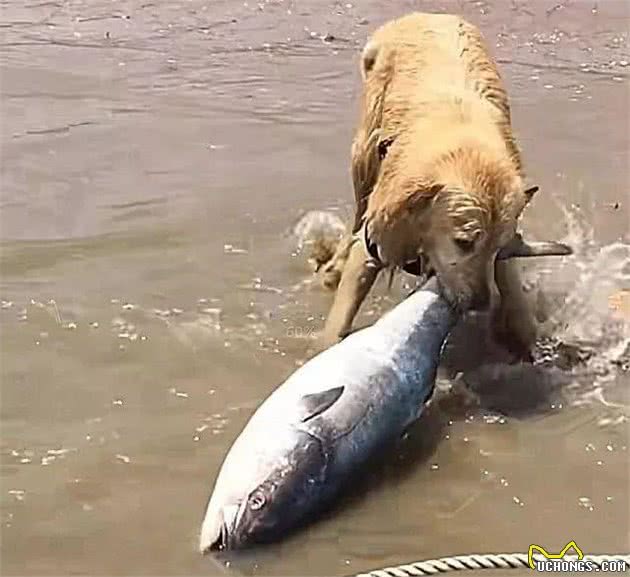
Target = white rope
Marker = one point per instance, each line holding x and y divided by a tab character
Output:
486	561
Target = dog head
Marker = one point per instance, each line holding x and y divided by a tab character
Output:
460	216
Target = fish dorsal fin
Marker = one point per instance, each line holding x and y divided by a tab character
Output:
316	403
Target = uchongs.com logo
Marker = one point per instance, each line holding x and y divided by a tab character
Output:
571	558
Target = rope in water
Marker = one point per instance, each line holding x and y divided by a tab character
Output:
485	561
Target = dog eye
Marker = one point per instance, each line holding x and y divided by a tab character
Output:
465	244
383	147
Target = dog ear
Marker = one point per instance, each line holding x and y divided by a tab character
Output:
518	247
434	190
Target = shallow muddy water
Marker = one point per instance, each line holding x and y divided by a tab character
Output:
154	156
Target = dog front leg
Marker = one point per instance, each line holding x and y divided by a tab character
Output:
357	279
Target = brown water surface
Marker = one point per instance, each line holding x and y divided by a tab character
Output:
154	154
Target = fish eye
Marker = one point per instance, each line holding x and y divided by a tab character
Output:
257	501
466	245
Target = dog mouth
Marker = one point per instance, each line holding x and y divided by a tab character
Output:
461	303
372	247
416	266
419	266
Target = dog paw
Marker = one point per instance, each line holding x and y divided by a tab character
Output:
320	341
330	274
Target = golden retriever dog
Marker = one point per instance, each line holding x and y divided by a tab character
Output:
438	180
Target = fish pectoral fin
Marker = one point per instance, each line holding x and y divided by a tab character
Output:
316	403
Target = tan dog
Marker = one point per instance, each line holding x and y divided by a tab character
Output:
437	177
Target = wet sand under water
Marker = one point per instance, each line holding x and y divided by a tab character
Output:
153	156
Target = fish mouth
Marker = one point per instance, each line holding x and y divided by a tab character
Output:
224	536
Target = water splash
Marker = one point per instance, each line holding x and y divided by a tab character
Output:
583	302
317	234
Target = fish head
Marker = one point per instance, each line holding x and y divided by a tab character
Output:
263	514
257	518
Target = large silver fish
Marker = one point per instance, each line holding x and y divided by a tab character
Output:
324	422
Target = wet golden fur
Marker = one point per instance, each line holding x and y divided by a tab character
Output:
435	168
